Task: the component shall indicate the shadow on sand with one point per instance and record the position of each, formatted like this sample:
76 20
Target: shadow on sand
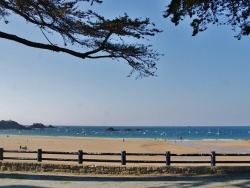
185 181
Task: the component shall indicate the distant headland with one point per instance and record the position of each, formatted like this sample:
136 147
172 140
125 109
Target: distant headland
5 125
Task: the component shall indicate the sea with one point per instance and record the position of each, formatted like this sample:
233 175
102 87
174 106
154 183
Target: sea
142 132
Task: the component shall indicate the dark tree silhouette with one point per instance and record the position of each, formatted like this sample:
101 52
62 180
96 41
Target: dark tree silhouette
235 13
96 36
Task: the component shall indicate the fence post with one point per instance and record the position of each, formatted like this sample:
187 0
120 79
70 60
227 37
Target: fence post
80 154
1 154
123 157
213 159
168 160
39 155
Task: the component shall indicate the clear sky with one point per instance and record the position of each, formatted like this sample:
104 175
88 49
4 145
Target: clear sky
202 80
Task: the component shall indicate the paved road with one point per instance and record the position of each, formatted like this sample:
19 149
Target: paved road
65 181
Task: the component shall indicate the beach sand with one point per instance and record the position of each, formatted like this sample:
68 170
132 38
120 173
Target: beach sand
109 145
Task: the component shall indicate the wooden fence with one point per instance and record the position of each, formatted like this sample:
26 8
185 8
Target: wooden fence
79 157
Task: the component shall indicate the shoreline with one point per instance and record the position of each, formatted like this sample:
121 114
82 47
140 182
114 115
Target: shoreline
141 133
138 144
126 138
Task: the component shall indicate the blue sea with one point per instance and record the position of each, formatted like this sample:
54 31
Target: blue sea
153 132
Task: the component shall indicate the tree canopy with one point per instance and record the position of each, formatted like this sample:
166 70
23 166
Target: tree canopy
235 13
96 36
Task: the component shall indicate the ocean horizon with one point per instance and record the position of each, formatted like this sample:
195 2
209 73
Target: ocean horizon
142 132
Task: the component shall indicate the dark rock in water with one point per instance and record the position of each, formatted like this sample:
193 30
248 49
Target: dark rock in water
127 129
11 125
111 129
37 126
50 126
14 125
139 129
40 126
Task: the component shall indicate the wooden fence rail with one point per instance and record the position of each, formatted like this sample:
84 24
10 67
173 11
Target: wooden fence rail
123 157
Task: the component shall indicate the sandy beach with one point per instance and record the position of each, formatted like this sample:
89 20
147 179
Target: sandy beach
73 144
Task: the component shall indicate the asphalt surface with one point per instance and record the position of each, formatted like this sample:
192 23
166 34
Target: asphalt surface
36 180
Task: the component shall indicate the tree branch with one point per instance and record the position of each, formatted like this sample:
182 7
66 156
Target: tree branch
41 45
101 47
85 29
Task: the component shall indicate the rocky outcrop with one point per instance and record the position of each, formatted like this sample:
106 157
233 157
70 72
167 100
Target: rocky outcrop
14 125
37 126
111 129
50 126
11 125
40 126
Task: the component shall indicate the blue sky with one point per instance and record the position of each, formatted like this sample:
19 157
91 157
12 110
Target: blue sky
202 80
